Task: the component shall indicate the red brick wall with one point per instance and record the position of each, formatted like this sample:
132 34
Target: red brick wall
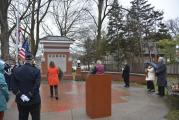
138 78
44 66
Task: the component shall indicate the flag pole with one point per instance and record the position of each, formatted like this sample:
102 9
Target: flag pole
17 32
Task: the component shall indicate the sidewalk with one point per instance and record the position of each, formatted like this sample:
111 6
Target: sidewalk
127 104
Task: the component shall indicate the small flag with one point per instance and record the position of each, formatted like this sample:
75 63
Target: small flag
24 50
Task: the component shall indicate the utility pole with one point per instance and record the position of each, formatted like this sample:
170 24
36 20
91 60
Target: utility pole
17 31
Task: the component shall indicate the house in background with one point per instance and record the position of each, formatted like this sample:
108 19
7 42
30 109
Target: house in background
151 52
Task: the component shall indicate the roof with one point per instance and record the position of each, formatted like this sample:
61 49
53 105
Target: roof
56 39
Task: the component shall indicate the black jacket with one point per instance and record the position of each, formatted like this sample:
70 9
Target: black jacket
26 80
126 72
161 73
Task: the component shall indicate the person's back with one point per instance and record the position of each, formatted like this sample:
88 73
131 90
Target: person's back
26 83
53 78
25 77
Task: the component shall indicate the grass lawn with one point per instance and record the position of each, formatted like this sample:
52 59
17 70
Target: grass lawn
173 101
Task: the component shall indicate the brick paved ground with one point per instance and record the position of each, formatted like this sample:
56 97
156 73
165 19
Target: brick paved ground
127 104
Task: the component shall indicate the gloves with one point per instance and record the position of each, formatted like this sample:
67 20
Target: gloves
24 98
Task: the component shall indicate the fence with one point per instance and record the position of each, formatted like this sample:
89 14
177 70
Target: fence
172 69
134 68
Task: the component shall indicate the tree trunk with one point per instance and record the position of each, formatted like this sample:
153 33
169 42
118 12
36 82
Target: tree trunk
4 40
37 28
4 36
100 8
32 39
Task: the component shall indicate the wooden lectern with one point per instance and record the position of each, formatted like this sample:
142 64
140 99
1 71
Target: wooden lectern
98 96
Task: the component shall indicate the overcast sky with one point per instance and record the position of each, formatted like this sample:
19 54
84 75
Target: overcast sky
170 7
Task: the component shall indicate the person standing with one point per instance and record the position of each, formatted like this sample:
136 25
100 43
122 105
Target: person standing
33 63
60 74
26 83
125 75
99 67
4 95
161 73
7 75
150 77
93 68
53 79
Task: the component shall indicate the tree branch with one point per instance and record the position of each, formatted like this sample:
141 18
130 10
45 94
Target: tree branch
91 16
45 10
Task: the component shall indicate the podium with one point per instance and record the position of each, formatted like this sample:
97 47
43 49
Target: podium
98 96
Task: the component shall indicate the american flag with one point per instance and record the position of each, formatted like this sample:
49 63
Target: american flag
24 50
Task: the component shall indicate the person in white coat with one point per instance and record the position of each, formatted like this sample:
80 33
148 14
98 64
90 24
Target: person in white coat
150 77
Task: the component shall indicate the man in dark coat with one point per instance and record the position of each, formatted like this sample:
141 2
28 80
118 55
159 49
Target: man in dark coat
26 83
161 73
125 74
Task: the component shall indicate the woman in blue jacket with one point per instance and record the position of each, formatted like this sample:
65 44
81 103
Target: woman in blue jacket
4 95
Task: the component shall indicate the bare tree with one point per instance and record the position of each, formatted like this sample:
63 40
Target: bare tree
32 23
40 16
46 29
69 16
4 36
173 26
8 23
102 7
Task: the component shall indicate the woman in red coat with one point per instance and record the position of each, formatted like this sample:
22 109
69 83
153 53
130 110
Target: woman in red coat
53 79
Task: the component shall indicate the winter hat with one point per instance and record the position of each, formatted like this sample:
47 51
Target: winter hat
28 56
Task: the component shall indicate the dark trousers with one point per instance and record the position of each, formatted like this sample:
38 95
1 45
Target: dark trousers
8 81
161 90
1 115
56 90
126 81
150 85
24 111
9 85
